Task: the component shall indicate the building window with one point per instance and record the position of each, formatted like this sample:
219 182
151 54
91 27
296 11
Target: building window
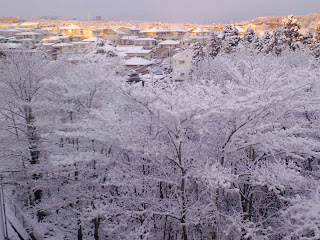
182 74
182 61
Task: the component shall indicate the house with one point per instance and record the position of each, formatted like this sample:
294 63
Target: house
181 64
127 40
163 33
139 64
29 35
135 51
57 39
92 39
88 33
145 54
10 46
46 46
169 44
30 25
9 32
28 42
71 30
185 43
47 31
114 32
82 46
204 40
150 32
200 32
131 31
165 52
63 47
146 42
6 25
177 33
114 35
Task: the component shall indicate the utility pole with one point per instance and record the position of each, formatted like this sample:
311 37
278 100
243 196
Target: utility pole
3 220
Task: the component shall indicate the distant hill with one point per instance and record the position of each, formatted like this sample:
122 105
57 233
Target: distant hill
309 21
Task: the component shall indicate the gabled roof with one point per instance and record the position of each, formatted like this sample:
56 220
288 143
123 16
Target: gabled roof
129 37
134 29
200 30
71 27
181 54
26 33
128 48
151 30
170 42
63 45
117 31
145 39
136 61
10 45
29 23
177 30
92 39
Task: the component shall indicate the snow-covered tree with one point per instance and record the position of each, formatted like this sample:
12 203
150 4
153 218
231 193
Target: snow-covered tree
215 45
198 53
291 28
249 36
231 38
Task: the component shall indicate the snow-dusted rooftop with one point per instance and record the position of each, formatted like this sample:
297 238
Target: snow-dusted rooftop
128 48
29 23
134 28
63 45
136 61
92 39
145 39
200 30
170 42
177 30
117 31
27 33
71 26
129 37
10 45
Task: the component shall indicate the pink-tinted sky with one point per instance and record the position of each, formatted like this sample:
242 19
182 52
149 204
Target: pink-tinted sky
197 11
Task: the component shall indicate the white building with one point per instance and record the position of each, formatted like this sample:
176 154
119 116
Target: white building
170 44
181 64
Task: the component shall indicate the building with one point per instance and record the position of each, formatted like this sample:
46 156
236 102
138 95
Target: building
114 35
199 32
71 30
29 35
88 33
131 31
135 51
146 42
63 47
177 33
127 40
181 64
9 32
30 25
173 44
138 64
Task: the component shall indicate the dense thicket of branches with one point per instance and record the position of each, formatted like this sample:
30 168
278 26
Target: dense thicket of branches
231 154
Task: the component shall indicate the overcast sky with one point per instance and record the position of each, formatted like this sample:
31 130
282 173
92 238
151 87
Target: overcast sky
195 11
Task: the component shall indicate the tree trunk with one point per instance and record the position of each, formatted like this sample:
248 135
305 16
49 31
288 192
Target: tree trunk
96 224
183 193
